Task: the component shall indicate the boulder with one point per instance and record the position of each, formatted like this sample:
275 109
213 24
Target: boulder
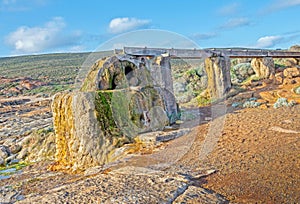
291 62
295 48
4 152
2 161
291 72
287 81
121 97
264 68
279 78
15 148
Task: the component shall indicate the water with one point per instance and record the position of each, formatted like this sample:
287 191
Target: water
7 171
4 177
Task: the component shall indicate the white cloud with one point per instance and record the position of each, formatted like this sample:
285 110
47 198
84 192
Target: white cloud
268 41
36 39
235 22
229 9
280 4
119 25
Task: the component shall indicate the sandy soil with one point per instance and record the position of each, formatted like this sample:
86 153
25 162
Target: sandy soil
257 156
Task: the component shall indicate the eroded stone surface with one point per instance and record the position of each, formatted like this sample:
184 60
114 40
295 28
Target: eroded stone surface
121 97
128 185
218 73
264 68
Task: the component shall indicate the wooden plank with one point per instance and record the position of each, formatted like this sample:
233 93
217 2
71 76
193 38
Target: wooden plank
204 53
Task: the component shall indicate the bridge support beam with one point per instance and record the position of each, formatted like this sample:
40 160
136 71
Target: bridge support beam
160 70
264 68
218 74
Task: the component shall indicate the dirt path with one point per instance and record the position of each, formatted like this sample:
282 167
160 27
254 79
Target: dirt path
257 156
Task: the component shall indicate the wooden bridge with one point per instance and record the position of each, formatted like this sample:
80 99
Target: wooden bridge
211 52
217 62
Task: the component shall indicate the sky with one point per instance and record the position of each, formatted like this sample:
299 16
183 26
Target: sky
50 26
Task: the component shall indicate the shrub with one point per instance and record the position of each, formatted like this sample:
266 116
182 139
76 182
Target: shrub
241 72
283 102
251 104
297 90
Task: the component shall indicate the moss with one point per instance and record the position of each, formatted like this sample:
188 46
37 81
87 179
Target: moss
250 79
44 131
120 102
104 113
203 101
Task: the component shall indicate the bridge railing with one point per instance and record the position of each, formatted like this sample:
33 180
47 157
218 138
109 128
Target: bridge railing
205 53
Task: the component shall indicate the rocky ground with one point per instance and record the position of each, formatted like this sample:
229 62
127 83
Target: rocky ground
253 158
21 115
226 153
21 119
15 86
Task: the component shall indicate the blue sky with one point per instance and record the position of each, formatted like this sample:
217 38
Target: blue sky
45 26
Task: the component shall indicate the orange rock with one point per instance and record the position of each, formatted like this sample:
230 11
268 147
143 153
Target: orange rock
284 93
270 96
288 81
14 90
263 106
28 85
279 78
291 72
290 62
262 101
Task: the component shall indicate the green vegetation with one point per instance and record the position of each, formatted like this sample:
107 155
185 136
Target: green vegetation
189 79
59 68
45 131
240 72
203 101
250 79
104 113
297 90
14 167
57 71
280 63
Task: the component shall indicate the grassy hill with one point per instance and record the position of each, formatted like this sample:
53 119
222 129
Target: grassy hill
56 71
52 67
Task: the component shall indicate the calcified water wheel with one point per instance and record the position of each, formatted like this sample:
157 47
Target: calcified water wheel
143 103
